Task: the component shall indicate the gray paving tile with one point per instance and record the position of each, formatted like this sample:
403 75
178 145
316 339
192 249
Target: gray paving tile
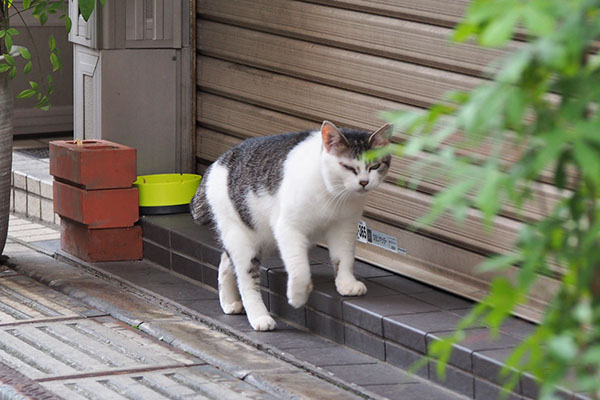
264 276
324 325
410 330
212 309
487 364
405 358
487 391
183 224
518 328
155 232
181 291
156 254
455 380
277 281
325 297
364 341
443 300
529 386
187 266
319 254
368 312
410 391
321 273
140 272
371 374
49 246
401 284
210 276
285 337
476 340
186 246
367 271
278 305
334 355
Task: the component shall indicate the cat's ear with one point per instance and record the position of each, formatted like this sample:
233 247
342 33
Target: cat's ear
333 139
381 137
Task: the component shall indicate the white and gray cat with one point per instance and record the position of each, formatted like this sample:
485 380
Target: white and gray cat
288 191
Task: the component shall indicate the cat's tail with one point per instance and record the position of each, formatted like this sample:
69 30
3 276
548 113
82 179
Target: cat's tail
199 206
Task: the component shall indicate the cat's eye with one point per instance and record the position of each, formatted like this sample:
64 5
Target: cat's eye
349 168
373 167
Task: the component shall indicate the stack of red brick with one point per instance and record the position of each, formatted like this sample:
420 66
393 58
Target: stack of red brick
94 196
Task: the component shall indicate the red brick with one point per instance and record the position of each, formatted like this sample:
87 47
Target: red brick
106 208
96 164
95 245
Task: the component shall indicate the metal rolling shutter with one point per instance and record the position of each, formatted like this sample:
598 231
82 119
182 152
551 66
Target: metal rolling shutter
272 66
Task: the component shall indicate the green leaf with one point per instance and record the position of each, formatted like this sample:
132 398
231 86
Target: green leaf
27 68
68 24
538 22
8 42
463 31
587 158
500 30
43 18
56 64
446 200
25 53
26 93
86 7
12 73
488 199
560 174
12 32
2 33
4 67
9 59
499 263
52 43
563 347
33 85
26 4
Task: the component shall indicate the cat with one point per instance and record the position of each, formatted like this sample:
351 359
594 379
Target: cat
288 191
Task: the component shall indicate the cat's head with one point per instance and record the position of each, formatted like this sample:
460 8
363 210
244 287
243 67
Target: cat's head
343 165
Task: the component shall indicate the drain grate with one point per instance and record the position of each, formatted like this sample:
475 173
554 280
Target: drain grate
39 153
14 385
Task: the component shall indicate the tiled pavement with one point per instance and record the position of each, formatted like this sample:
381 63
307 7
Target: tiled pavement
393 324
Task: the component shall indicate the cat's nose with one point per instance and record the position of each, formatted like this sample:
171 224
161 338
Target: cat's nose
363 183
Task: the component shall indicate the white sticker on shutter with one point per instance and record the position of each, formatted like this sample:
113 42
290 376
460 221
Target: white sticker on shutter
379 239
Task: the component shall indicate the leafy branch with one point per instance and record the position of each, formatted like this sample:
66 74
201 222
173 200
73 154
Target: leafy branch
40 9
540 103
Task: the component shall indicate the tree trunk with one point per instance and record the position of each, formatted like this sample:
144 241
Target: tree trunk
6 108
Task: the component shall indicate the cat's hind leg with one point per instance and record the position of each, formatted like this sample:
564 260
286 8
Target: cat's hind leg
229 297
247 270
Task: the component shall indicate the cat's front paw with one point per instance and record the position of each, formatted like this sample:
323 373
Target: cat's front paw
263 323
232 308
351 288
298 293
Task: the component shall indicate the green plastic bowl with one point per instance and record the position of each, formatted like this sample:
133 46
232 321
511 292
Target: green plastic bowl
166 193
